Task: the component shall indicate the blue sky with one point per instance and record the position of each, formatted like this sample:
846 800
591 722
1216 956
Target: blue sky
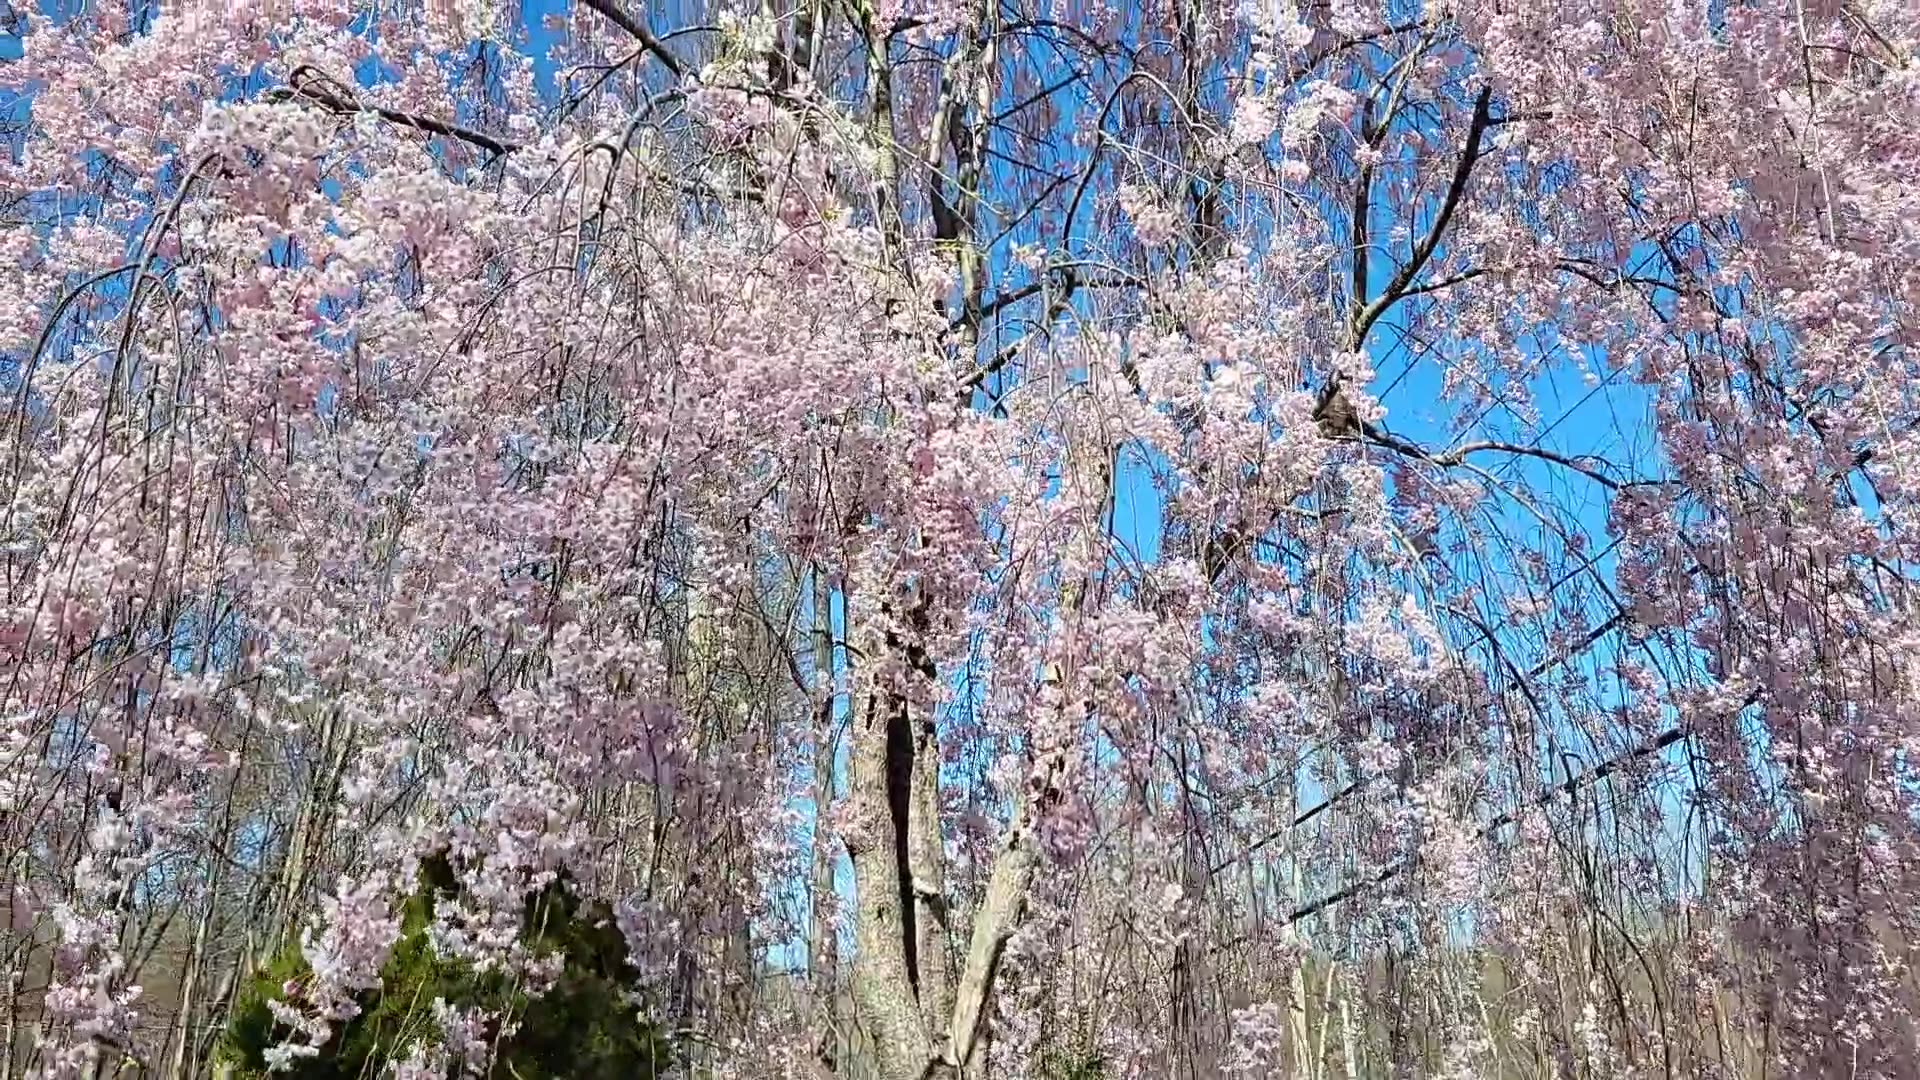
1608 421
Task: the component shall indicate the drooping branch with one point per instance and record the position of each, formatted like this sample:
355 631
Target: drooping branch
1355 787
1569 787
1337 420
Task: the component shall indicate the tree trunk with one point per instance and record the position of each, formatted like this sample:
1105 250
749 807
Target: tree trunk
822 939
179 1061
884 981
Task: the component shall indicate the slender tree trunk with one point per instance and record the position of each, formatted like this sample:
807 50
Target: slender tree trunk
178 1062
1001 911
1297 996
8 1027
823 944
285 903
217 1006
880 129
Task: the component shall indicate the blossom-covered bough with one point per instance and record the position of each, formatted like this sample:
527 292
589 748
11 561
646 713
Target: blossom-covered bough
1002 539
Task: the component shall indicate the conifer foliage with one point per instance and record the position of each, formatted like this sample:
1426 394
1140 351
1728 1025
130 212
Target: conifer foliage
590 1023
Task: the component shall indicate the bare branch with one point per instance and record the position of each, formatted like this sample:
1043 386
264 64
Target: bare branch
648 39
301 83
1462 172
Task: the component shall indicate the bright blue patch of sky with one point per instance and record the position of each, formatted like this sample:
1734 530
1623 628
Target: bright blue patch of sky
1608 421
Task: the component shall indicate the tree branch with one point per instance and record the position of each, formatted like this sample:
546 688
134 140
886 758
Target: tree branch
644 36
1458 454
1591 776
1462 172
298 86
1004 904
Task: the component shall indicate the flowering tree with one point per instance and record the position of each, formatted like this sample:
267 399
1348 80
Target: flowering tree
1020 539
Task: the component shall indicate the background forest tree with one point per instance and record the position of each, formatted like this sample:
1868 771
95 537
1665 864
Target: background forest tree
993 538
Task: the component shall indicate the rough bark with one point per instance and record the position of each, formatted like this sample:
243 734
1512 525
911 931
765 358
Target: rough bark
883 976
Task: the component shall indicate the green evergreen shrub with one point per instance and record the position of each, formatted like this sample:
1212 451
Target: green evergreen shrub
582 1028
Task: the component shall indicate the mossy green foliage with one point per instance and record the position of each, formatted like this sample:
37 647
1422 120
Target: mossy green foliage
1074 1065
1074 1059
580 1028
